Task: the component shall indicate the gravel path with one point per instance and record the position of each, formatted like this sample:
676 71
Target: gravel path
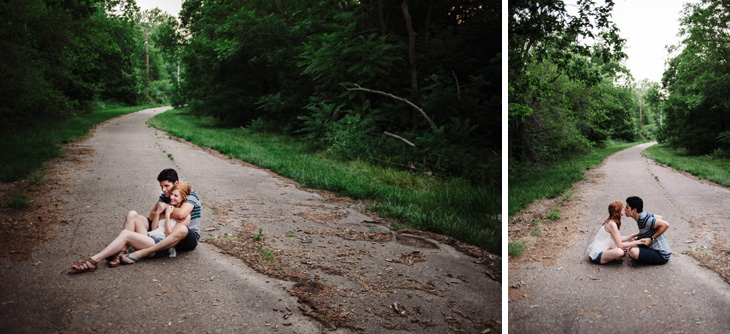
436 287
576 296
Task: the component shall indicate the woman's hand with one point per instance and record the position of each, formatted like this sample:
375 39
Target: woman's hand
161 207
168 210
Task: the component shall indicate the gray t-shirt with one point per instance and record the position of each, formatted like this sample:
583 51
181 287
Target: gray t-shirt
647 230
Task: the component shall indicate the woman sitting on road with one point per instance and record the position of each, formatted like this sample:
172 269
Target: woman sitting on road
609 245
140 240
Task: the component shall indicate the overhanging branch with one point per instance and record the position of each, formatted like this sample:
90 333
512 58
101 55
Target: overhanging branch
423 113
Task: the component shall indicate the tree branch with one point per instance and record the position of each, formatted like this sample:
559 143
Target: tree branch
423 113
399 138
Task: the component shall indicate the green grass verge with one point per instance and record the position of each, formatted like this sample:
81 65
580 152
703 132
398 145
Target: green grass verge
454 208
528 183
23 151
704 167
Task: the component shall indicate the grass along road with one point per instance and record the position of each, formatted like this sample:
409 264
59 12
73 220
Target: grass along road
530 184
702 166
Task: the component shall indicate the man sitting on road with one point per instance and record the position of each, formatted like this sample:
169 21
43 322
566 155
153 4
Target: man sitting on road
182 238
652 227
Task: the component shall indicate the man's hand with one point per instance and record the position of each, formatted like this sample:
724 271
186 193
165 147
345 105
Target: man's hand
645 241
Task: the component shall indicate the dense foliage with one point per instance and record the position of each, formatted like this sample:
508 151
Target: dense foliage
297 67
697 82
567 89
63 58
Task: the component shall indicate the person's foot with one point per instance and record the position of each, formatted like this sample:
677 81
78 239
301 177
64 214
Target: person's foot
85 265
136 255
115 261
127 259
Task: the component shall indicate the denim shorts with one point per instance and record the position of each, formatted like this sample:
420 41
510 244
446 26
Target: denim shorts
156 238
597 260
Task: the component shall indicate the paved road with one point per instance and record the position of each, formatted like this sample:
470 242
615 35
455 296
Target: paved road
576 296
205 290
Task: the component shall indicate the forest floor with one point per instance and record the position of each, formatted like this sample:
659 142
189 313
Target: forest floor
273 256
553 287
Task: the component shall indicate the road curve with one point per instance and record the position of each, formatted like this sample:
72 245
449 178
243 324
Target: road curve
208 291
576 296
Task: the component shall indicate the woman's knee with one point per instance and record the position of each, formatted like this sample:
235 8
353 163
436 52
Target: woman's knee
634 253
132 214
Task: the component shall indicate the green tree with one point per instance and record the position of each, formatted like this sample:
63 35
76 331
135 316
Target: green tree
60 57
563 96
698 81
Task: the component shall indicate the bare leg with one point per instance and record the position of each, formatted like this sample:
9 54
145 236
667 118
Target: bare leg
124 239
612 254
634 253
178 233
136 223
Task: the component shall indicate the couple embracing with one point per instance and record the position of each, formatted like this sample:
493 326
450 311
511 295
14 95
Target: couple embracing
172 225
649 246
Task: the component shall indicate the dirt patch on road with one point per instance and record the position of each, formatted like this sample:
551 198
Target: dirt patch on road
550 226
716 257
36 212
329 280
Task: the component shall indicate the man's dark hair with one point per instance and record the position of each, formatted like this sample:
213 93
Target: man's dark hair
635 203
167 175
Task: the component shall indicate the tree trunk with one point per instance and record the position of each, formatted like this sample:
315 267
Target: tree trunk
411 49
427 29
381 21
411 58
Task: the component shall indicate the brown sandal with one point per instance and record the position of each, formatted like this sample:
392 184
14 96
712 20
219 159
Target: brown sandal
85 265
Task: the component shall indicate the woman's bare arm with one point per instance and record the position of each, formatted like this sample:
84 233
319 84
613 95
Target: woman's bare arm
618 238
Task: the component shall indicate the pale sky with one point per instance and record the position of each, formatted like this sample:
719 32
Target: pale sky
170 6
648 26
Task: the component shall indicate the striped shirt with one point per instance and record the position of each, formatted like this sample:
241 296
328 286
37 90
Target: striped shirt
646 223
195 215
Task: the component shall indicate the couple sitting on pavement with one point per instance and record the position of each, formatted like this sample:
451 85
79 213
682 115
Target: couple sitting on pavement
648 246
153 236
